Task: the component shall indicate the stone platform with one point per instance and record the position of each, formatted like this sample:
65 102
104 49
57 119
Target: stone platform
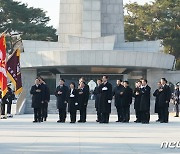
20 136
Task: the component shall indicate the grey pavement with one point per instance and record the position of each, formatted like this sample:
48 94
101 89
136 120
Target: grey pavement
20 136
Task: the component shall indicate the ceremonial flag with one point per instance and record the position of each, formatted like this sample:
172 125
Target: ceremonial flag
13 71
3 73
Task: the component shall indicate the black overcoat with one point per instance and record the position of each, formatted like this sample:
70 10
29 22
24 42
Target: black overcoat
156 95
118 98
36 96
82 98
96 93
127 97
164 96
61 98
105 95
145 98
137 99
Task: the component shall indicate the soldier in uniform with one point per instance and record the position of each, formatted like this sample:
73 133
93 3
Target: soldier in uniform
176 97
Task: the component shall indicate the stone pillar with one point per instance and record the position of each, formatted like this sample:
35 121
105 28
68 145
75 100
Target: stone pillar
70 21
112 20
58 76
91 21
28 78
125 77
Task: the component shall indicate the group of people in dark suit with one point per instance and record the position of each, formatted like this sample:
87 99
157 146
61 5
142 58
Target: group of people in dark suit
40 98
74 99
77 99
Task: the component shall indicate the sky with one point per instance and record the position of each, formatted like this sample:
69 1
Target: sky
52 8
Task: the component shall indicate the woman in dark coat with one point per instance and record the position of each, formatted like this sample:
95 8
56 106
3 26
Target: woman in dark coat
72 102
36 93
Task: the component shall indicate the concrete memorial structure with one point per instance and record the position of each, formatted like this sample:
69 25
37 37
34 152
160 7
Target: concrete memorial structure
91 43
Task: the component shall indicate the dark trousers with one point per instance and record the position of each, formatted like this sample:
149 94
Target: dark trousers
3 109
177 109
44 110
105 118
37 114
164 113
9 108
145 116
73 116
138 115
119 113
98 116
62 115
83 113
126 113
159 115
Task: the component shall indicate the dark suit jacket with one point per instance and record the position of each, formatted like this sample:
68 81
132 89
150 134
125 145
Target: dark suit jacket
164 96
61 98
36 96
145 98
127 97
118 97
137 100
105 95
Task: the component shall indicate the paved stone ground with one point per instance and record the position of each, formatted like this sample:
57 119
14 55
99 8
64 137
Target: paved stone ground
20 136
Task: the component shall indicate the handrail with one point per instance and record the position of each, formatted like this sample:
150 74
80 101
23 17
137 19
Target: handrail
20 102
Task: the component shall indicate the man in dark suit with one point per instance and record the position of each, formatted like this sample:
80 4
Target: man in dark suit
118 99
137 101
105 99
126 101
156 95
45 99
145 102
82 101
164 99
96 93
36 93
86 98
61 94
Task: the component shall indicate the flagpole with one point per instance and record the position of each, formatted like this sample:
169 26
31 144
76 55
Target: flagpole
3 33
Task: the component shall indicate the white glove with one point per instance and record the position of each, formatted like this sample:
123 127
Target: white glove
109 101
